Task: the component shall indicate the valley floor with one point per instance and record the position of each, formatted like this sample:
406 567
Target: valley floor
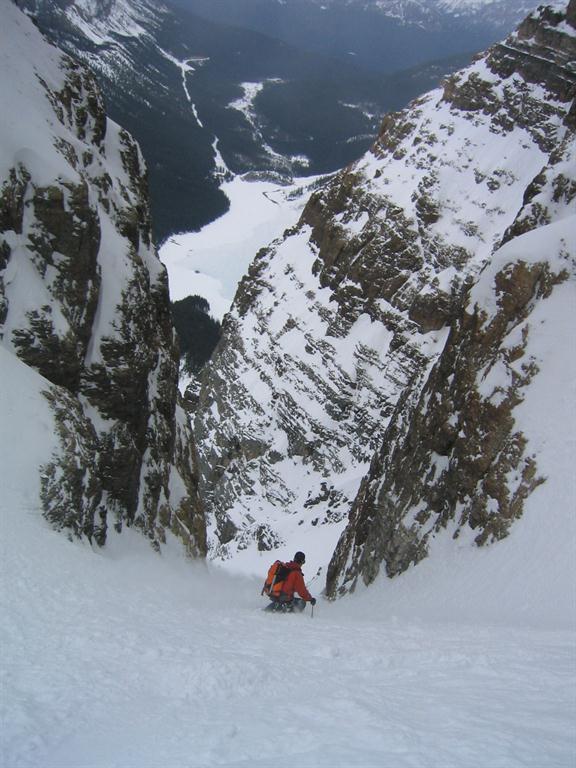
119 658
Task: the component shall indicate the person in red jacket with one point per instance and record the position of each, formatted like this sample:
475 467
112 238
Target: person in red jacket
285 601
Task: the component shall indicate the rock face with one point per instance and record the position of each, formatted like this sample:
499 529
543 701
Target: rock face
340 329
84 300
457 459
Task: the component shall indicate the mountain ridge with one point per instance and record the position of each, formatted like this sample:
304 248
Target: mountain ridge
338 325
84 302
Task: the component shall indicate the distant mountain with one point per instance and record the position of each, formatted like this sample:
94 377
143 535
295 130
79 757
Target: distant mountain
382 35
204 98
495 14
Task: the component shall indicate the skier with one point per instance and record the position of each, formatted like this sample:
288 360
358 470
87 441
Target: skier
284 580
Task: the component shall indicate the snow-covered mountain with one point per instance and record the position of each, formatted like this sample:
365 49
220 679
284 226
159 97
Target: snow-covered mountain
381 35
499 13
144 80
118 657
84 304
395 331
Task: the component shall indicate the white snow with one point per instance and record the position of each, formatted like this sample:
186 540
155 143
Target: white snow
120 658
122 18
245 103
186 67
28 141
212 262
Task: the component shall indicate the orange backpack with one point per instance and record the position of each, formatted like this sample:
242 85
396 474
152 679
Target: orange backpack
277 575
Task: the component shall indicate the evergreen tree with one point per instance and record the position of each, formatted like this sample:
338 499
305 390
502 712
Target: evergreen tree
198 332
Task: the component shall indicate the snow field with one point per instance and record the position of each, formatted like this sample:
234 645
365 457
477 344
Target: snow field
122 659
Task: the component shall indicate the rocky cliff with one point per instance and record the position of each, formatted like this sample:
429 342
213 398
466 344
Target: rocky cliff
343 330
459 455
460 458
84 300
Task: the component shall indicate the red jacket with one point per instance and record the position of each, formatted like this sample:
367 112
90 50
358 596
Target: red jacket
295 582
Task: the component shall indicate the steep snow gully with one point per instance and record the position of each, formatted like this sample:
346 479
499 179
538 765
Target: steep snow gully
119 658
182 670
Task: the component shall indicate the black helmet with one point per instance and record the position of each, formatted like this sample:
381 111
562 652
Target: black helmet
300 558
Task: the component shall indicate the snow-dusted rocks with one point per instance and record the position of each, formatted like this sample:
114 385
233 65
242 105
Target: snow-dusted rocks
464 459
84 300
336 332
481 437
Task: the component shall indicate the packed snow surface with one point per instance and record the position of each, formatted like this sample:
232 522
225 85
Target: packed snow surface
120 658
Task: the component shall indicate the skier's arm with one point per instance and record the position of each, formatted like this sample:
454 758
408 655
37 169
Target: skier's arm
300 587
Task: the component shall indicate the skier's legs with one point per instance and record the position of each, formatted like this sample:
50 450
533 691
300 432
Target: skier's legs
296 605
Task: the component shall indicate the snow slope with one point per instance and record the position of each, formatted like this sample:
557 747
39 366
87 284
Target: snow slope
120 658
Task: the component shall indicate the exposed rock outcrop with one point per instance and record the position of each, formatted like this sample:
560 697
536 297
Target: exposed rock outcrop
85 302
456 458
